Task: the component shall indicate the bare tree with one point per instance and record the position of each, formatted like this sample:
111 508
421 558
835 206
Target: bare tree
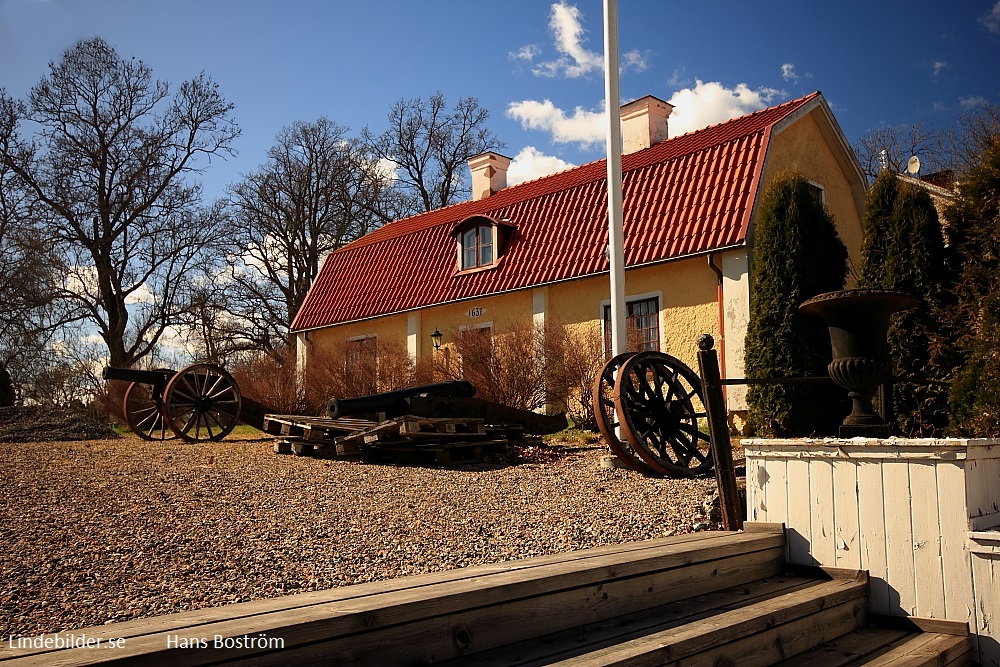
429 144
974 132
103 150
890 147
317 192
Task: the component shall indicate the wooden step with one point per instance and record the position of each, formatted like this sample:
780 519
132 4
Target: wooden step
430 618
755 624
887 642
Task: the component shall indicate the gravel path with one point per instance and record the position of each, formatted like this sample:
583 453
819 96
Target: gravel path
96 532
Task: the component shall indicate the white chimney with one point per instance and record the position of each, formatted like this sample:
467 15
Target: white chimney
644 123
489 174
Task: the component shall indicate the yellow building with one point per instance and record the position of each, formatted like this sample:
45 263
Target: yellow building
537 251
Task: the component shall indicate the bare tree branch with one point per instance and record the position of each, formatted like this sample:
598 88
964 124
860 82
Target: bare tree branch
429 146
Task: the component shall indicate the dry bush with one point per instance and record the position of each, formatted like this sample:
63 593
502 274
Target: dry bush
575 355
355 368
529 367
501 365
271 381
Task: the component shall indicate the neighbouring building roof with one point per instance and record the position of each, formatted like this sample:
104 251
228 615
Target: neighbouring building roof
683 196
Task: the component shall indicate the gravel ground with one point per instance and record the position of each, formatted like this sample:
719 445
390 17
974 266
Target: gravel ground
96 532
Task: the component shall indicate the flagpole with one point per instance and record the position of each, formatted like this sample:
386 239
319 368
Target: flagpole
616 235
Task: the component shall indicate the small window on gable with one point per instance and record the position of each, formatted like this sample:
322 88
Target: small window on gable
816 190
477 246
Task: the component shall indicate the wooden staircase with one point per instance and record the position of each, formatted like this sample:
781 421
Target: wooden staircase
713 598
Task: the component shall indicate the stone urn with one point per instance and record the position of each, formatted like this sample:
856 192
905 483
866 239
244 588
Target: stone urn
858 320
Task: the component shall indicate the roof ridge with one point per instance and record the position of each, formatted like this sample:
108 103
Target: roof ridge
745 117
555 182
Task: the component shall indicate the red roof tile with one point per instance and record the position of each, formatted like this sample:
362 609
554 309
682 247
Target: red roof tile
686 195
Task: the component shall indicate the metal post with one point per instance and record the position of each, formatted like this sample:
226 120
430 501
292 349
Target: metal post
616 235
718 431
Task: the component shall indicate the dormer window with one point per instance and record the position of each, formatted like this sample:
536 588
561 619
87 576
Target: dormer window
481 242
477 246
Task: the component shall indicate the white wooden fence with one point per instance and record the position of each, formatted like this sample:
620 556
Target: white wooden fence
922 516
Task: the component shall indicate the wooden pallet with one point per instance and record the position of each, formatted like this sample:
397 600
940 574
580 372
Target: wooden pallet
313 429
443 440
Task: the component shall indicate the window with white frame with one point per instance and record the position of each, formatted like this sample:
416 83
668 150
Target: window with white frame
816 190
477 246
642 325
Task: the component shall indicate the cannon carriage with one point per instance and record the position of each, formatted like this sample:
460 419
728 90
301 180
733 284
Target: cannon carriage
197 403
651 409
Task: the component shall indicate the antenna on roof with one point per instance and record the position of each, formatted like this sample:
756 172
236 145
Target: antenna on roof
883 159
913 165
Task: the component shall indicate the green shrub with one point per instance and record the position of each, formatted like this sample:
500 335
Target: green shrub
974 230
904 250
796 254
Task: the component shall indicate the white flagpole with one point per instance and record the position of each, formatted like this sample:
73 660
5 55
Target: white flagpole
616 236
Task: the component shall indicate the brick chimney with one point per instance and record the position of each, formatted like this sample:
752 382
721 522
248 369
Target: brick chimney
489 174
644 123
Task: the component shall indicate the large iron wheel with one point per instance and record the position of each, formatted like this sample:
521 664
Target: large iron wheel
660 403
202 402
603 403
143 410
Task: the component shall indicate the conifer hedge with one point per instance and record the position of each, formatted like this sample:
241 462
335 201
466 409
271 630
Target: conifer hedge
904 250
795 255
974 230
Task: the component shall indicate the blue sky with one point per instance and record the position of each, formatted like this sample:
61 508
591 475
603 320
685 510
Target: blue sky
535 65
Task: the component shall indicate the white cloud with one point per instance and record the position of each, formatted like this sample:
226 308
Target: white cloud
991 20
526 53
565 22
938 67
386 168
530 163
972 102
711 103
634 60
788 72
575 59
582 127
141 294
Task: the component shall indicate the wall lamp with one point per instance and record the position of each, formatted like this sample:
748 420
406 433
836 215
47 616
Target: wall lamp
436 338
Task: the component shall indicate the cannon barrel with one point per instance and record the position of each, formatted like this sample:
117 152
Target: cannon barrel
392 400
160 377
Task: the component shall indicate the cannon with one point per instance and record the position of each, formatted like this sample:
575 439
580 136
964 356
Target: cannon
199 402
453 399
395 403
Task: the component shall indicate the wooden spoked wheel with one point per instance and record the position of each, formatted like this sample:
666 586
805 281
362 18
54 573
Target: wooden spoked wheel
659 401
603 404
143 410
202 402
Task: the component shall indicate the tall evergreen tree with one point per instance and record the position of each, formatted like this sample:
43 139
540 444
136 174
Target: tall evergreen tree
904 251
6 387
796 255
974 230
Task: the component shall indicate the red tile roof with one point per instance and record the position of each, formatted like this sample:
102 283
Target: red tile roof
686 195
